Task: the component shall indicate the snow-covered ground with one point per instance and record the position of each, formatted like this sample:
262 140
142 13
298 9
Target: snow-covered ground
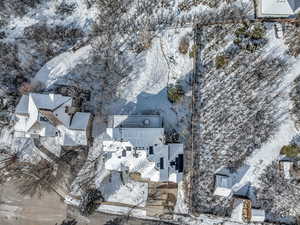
82 17
55 70
269 152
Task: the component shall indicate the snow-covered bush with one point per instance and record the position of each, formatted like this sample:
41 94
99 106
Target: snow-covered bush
221 61
250 36
290 150
175 93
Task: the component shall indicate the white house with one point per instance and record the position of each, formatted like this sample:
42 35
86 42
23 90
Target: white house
277 8
136 143
51 115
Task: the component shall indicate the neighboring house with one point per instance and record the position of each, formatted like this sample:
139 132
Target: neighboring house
52 115
277 8
223 185
243 212
137 144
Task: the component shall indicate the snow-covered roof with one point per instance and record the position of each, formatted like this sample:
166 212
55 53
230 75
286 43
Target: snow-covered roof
142 121
22 107
72 137
142 149
278 8
258 215
138 137
80 121
50 102
47 115
223 185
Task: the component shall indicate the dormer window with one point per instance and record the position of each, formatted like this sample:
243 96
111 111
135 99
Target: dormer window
151 150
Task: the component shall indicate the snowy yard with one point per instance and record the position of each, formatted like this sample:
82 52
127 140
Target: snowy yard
244 110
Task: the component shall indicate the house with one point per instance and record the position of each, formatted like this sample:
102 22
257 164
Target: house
52 115
137 143
277 8
243 212
223 185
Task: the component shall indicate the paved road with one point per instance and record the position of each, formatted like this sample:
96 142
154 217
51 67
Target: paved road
18 210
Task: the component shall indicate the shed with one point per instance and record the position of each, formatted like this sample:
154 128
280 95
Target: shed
223 185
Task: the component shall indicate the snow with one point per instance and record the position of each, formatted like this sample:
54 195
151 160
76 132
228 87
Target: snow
51 144
58 67
129 192
145 88
119 210
269 152
82 17
50 101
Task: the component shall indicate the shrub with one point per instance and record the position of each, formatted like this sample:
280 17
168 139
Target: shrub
221 61
184 45
257 32
193 51
175 93
290 150
250 37
87 204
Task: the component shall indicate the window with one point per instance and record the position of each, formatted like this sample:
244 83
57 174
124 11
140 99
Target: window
161 164
128 148
151 150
